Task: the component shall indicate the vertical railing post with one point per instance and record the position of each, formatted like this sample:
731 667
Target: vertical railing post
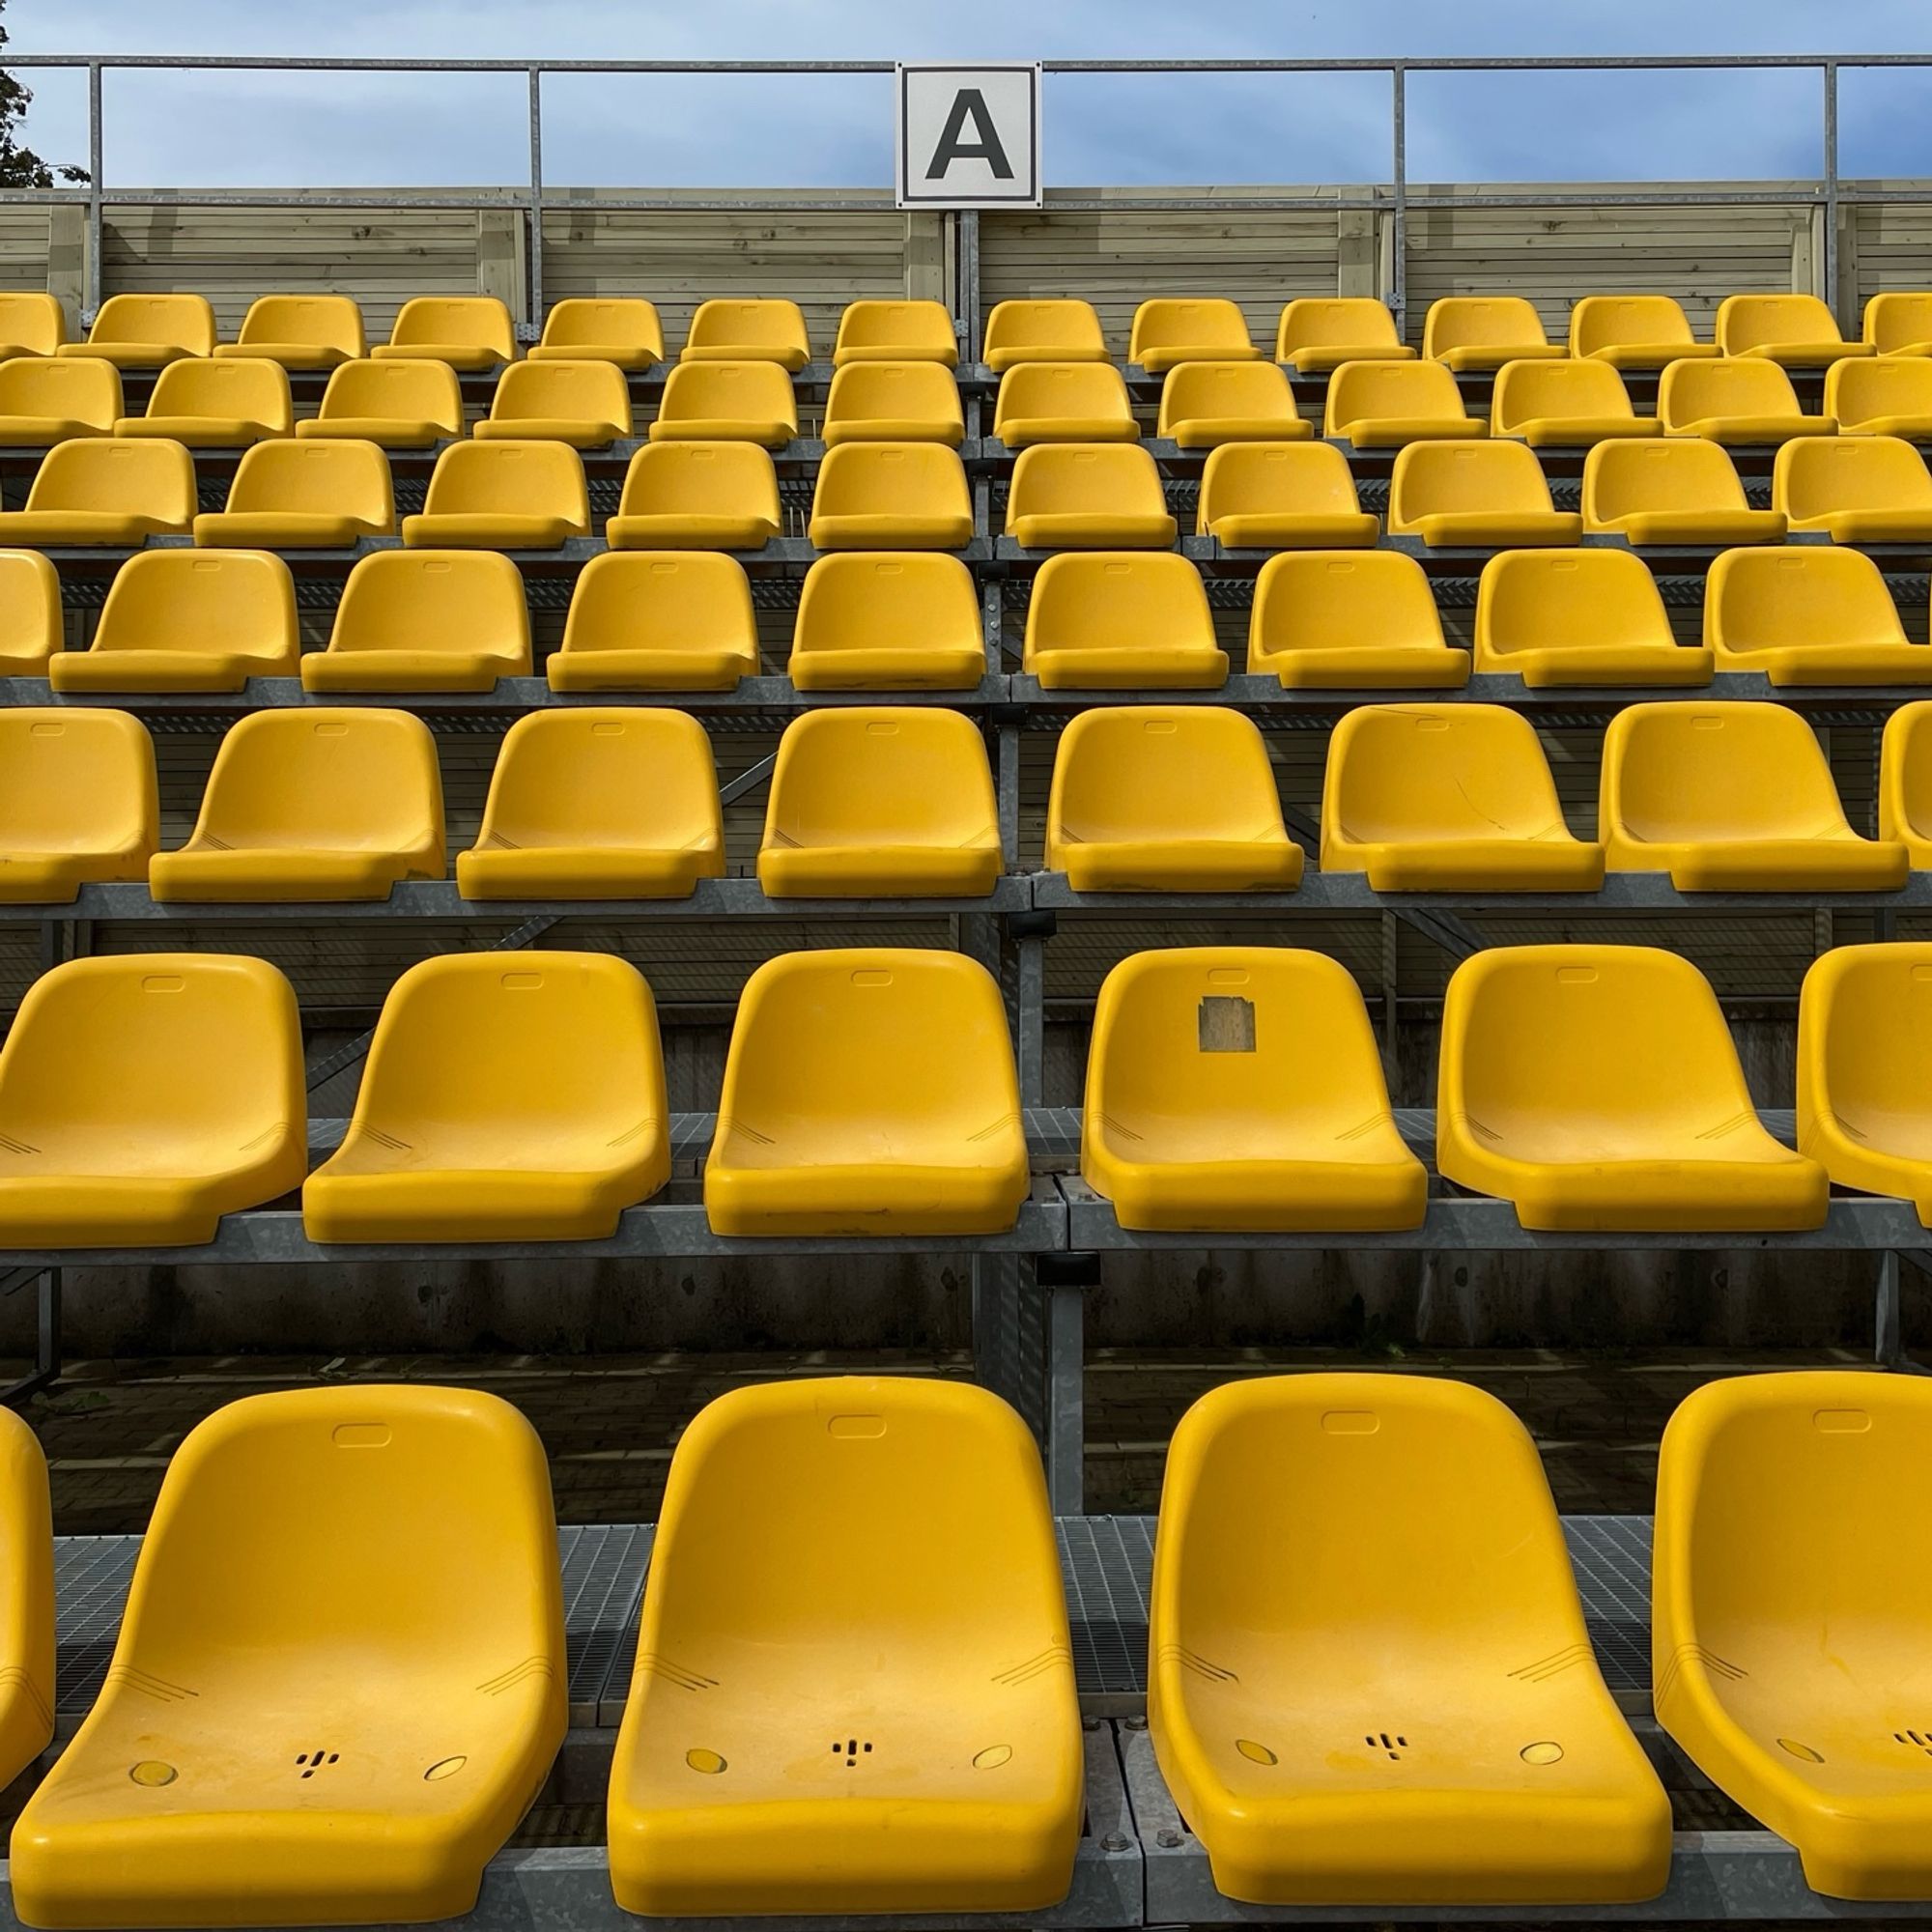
1831 188
91 288
1399 186
537 309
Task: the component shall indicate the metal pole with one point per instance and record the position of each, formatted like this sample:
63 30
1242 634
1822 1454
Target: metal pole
1398 184
1831 188
969 281
92 285
536 198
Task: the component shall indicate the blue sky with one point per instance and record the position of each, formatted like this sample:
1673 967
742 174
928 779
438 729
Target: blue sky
353 130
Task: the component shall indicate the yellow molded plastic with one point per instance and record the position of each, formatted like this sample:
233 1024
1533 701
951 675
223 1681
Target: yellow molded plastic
1055 330
896 332
1633 331
425 620
508 1097
657 620
145 1096
300 332
1905 781
502 495
1565 403
1282 495
891 496
1205 404
45 400
1446 798
304 496
1385 405
756 330
1319 333
1887 395
211 405
1807 614
147 332
31 625
1796 331
728 401
1240 1090
698 496
1741 399
1120 619
870 1557
472 332
881 801
1478 495
1063 402
1579 616
26 1600
598 803
342 1592
1371 1679
582 402
1683 491
887 622
623 329
1899 324
1163 798
1171 330
31 323
105 489
1353 620
1485 331
1597 1088
396 405
78 800
1857 490
893 402
312 805
1104 495
868 1092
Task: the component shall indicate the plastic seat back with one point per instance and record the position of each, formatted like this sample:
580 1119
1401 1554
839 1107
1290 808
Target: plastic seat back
1071 479
1896 324
1318 601
1309 479
1042 330
401 393
1346 321
246 388
1481 322
1816 476
152 478
509 479
1864 1059
61 389
239 601
345 478
701 479
330 324
1160 772
867 776
662 601
77 785
1686 474
898 402
1758 321
594 394
31 323
896 332
1107 600
1726 385
857 600
592 326
1758 600
32 623
182 322
907 483
432 600
737 331
1464 479
475 324
1069 402
726 400
1601 323
1861 392
1249 393
1169 329
1530 599
1404 391
1563 389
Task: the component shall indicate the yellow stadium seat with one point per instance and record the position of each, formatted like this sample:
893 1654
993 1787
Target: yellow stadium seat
896 332
1564 404
1238 1090
1063 402
1732 798
27 1655
623 329
1678 491
1318 333
1905 781
1887 395
31 619
1067 495
105 489
1597 1089
31 323
312 805
728 401
45 400
885 802
1353 620
507 1098
598 805
697 496
1406 1716
1478 494
78 802
1808 615
868 1092
1430 798
1120 620
1787 1614
469 332
657 620
749 331
1204 404
1169 330
1158 798
425 620
891 496
1898 325
888 621
584 404
1579 616
211 405
1053 330
147 332
1857 490
1634 333
1733 399
143 1096
893 402
1485 332
300 332
1385 405
502 495
1793 331
188 620
870 1556
1279 496
396 405
304 496
339 1678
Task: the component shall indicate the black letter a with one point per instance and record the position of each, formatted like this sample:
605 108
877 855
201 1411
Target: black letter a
950 148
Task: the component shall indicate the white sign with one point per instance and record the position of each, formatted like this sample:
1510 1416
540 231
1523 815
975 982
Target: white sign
968 136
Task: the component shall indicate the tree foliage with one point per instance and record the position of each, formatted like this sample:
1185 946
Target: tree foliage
19 165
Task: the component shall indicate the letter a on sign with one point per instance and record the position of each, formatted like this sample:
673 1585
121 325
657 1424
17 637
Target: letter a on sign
968 136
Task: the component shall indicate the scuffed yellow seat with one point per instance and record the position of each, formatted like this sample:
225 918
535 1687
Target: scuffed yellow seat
1371 1681
32 623
304 496
32 322
502 495
147 332
1887 395
1383 405
1063 402
598 805
27 1653
622 329
868 1092
1683 491
145 1096
1485 332
188 620
1042 330
105 490
512 1096
1796 331
1732 798
211 405
1597 1088
1350 620
1579 616
394 405
893 402
1634 333
1238 1090
1448 798
657 620
870 1557
1282 495
339 1681
758 331
728 401
1475 494
425 620
887 622
1857 490
884 802
697 496
78 800
45 400
1168 331
1899 324
1565 403
891 496
896 332
1734 398
1070 496
584 404
300 332
1788 1592
1160 798
312 805
1120 620
1203 405
1905 781
1808 615
473 333
1320 333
